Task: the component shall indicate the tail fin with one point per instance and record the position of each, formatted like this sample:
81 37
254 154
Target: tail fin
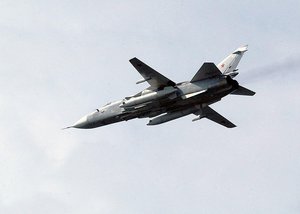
229 65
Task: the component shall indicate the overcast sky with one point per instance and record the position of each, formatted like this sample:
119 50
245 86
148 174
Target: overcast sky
61 59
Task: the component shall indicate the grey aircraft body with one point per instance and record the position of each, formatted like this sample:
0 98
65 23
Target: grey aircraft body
166 100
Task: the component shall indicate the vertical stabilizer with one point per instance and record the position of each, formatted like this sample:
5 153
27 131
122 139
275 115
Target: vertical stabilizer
230 63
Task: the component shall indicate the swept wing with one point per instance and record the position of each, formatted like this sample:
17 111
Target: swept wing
211 114
154 78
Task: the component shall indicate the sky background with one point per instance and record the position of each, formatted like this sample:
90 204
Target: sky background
61 59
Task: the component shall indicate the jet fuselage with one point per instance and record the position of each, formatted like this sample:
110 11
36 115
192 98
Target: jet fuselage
186 95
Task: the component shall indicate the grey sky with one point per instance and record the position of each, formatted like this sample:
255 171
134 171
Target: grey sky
62 59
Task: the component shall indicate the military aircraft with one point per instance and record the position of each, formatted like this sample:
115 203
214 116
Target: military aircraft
166 100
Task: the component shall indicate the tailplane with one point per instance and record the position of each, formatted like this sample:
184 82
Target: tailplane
229 65
243 91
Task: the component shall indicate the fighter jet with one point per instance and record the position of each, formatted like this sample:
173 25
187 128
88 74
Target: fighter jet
165 100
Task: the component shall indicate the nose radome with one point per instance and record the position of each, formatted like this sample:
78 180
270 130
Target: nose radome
81 123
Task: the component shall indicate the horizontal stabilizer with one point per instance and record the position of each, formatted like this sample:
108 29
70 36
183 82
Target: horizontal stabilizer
207 70
211 114
243 91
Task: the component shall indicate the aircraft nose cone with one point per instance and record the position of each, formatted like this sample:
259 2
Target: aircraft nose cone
81 123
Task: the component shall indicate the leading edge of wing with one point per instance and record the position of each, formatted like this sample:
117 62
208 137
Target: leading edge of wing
154 78
207 70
